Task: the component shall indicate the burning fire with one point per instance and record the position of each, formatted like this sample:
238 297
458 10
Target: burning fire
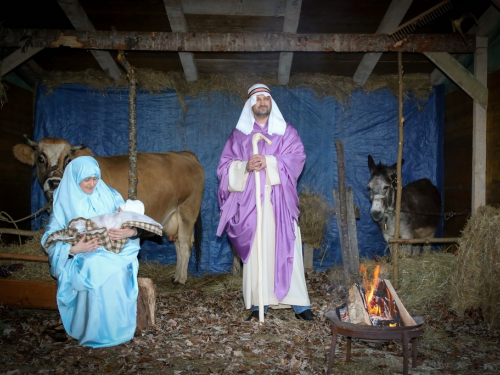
379 302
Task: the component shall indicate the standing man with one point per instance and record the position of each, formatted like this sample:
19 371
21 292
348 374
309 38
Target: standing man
280 165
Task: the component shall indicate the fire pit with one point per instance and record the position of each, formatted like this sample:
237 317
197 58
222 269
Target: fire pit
405 333
373 311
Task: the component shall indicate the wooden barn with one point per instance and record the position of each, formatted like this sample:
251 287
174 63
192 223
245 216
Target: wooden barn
395 79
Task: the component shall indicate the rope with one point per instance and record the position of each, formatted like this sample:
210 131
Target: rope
4 216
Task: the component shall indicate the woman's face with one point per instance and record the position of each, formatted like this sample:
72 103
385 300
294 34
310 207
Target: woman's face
88 185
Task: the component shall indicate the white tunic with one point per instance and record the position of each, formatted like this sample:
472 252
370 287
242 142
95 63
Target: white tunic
297 294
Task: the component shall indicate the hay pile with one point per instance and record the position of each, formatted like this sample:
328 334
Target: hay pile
32 270
236 84
475 282
161 274
315 212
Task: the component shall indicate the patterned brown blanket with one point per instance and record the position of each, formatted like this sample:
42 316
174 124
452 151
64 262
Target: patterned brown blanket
97 227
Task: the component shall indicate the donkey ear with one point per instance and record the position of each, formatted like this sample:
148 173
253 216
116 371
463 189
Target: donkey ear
371 164
393 169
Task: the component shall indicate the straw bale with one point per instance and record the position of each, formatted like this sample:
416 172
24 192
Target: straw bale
475 282
315 212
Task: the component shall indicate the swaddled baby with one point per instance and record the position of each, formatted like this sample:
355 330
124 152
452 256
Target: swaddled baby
129 214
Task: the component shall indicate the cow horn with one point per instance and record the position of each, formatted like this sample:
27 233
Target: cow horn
77 148
29 142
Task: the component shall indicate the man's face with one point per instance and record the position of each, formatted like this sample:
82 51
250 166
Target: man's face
262 108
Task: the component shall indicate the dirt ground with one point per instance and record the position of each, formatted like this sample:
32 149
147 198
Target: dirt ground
202 331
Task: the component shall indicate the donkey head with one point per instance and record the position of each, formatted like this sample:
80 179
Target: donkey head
381 188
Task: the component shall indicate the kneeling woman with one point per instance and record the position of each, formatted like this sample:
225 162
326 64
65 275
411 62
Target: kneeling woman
97 289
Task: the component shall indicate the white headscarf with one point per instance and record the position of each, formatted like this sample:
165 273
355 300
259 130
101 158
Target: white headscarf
276 124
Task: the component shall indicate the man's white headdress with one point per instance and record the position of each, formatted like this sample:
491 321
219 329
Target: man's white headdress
276 125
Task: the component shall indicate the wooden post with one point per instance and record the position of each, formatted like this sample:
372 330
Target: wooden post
479 128
341 207
395 246
146 303
353 236
308 256
132 140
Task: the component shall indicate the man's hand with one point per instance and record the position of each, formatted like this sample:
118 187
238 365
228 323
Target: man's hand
256 163
85 247
118 234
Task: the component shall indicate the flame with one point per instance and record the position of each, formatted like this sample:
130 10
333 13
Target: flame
373 308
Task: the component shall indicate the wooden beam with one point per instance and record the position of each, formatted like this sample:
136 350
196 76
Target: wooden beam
268 8
290 25
178 25
235 42
392 18
486 24
28 294
16 58
479 128
460 75
76 14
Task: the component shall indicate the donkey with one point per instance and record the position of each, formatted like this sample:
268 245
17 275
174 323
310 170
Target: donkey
420 203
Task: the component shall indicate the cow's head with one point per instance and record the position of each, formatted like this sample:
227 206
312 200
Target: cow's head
51 156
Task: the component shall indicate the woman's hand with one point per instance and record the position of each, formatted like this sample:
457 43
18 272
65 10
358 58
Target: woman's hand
118 234
256 163
85 247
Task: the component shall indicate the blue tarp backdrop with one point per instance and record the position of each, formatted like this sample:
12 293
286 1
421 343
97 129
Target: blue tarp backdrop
369 125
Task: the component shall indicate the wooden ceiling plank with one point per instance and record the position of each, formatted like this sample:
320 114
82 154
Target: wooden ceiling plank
178 24
486 24
17 57
290 25
79 19
392 18
460 75
235 42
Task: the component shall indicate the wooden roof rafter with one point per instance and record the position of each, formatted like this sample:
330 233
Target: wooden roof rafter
290 25
178 24
392 18
79 19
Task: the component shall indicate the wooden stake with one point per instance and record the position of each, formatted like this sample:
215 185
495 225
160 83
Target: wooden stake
395 246
132 140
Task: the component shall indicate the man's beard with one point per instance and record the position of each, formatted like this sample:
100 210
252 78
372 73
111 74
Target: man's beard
260 114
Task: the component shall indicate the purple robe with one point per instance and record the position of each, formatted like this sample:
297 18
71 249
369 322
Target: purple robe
238 209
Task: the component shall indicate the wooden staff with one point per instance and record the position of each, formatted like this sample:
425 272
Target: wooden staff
258 235
395 246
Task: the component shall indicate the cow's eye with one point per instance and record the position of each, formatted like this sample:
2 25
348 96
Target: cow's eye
386 187
66 162
41 159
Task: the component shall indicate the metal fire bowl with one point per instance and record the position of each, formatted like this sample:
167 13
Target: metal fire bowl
359 331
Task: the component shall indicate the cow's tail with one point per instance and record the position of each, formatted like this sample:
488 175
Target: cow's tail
197 240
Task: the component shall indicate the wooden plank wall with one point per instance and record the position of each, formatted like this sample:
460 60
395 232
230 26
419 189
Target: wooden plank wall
458 154
16 119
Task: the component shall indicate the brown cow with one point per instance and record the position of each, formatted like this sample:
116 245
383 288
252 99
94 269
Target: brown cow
170 186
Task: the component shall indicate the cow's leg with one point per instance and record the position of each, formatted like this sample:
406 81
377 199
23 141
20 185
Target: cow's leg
184 243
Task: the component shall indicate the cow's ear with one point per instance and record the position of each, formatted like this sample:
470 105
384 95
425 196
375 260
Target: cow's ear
24 153
84 152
